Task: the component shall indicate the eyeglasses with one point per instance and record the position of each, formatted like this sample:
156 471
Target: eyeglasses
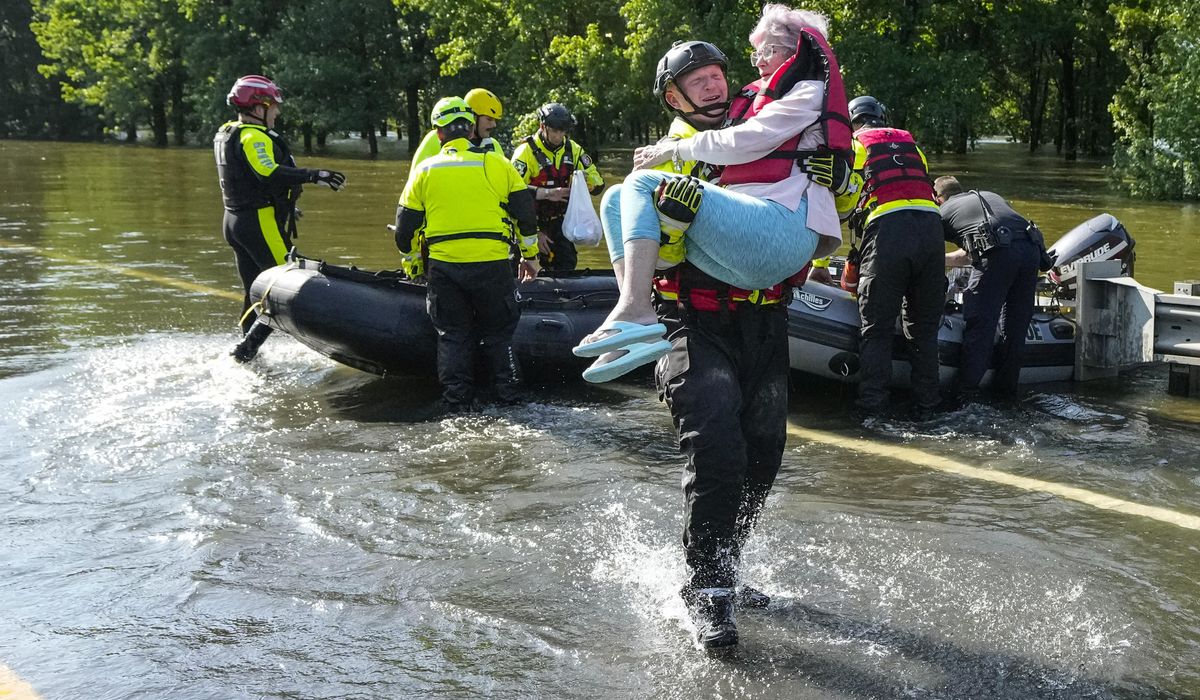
767 52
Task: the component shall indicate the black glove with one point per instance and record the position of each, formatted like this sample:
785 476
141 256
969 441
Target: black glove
330 178
678 199
827 170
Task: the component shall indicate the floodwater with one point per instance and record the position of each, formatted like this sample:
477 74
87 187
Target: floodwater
174 525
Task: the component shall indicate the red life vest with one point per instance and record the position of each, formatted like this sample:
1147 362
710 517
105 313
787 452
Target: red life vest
687 285
813 60
550 176
894 168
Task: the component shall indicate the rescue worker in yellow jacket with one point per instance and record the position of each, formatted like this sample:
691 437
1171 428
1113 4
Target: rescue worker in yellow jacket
488 111
458 206
546 160
260 184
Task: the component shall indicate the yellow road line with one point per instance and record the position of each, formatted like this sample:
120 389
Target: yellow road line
13 688
122 270
950 466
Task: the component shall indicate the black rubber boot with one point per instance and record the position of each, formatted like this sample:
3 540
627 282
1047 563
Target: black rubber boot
711 610
750 597
248 349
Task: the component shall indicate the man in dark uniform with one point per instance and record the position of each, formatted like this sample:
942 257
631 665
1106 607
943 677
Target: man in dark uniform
1002 286
260 184
461 200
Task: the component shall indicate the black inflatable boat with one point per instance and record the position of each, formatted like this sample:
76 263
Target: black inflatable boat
376 321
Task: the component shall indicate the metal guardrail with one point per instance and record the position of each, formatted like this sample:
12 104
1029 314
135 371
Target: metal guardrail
1122 324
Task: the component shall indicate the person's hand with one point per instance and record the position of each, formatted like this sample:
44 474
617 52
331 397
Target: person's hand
543 243
557 194
330 178
655 154
527 270
677 200
821 275
827 170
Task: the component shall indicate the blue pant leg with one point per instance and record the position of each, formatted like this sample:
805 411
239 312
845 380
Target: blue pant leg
610 221
744 241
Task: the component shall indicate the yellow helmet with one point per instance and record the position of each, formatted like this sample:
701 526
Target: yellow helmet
485 103
449 109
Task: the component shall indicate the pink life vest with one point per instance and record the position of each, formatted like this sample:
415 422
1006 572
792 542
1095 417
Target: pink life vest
894 168
813 60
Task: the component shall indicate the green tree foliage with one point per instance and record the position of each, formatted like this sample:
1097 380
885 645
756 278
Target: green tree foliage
1157 111
30 105
1091 77
123 56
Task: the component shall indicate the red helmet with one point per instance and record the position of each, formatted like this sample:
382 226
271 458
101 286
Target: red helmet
251 90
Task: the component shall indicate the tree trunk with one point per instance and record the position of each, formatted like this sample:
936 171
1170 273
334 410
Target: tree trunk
308 136
372 140
1070 102
131 131
158 117
413 94
177 109
321 135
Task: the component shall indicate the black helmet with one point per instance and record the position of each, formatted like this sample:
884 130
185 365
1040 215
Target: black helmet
555 116
684 57
867 111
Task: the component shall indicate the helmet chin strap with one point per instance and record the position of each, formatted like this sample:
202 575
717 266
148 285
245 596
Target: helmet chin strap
716 109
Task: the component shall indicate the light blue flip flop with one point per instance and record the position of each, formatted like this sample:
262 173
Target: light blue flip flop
626 334
636 355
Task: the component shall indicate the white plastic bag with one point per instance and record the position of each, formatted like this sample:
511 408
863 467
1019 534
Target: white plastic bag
581 224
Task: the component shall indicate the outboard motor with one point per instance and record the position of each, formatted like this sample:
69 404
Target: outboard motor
1099 238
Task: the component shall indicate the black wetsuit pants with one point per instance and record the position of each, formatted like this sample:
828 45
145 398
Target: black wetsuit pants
1002 292
903 268
255 250
725 381
474 306
562 256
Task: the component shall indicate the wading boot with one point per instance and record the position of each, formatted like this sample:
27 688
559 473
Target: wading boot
248 349
711 610
750 597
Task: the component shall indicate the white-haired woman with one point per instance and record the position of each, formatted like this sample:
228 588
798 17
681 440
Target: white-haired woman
751 235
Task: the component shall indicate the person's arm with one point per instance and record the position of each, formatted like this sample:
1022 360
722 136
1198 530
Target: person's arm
958 258
764 132
594 179
410 212
521 209
408 222
260 154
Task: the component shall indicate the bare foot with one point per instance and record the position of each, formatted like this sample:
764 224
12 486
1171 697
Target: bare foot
644 316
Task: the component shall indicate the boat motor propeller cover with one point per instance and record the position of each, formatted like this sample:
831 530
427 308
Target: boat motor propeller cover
1099 238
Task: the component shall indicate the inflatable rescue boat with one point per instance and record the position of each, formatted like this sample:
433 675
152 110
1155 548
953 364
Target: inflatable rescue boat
376 321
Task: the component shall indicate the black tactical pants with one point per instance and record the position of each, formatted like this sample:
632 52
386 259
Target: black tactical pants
902 269
725 381
474 305
1002 292
562 255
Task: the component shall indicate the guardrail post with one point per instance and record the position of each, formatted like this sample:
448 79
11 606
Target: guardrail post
1116 322
1178 333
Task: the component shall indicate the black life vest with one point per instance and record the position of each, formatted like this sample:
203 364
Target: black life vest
241 187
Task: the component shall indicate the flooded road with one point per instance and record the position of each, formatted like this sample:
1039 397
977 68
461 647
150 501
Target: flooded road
175 525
